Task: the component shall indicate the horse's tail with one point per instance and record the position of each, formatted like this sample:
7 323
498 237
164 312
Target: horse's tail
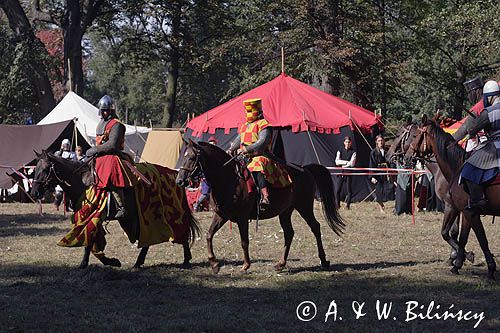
324 184
193 225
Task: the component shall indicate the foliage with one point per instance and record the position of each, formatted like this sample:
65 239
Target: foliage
165 60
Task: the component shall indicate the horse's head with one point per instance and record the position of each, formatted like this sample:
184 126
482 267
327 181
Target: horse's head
44 175
421 145
404 138
201 158
54 170
190 167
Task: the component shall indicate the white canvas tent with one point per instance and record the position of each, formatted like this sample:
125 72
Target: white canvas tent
86 118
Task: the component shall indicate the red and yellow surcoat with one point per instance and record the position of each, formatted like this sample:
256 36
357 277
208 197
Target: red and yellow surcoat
274 173
111 172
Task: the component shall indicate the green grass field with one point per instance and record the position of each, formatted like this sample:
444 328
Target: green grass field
381 257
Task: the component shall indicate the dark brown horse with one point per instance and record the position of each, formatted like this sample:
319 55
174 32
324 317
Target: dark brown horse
234 202
433 140
71 175
451 219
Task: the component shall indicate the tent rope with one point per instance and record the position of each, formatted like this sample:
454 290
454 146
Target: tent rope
359 130
314 148
310 138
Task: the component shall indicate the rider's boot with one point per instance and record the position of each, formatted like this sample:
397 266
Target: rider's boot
121 211
477 200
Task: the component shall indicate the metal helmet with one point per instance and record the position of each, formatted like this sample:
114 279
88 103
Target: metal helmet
106 104
473 88
490 88
473 84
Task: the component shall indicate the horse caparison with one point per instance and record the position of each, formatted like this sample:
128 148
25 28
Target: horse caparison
450 157
234 202
52 170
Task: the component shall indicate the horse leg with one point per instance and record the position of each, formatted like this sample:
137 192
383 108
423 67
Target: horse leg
464 237
286 225
449 218
217 223
141 257
455 228
99 243
307 213
478 228
245 242
86 257
187 254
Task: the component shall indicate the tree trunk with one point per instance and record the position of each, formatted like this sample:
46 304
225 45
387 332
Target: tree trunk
173 68
172 77
73 34
459 96
22 29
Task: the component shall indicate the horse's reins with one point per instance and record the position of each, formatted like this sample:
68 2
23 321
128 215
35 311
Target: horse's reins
46 181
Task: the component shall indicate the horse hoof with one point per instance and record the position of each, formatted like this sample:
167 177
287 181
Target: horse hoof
186 265
136 267
245 268
113 262
470 256
325 264
215 268
83 265
279 267
454 270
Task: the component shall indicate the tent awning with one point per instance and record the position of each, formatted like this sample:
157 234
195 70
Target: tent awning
19 142
289 103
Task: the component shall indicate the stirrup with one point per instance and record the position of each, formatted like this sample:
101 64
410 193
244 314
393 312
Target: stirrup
264 204
121 213
478 205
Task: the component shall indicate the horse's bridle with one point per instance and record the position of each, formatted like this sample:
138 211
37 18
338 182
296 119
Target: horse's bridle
46 181
418 140
196 170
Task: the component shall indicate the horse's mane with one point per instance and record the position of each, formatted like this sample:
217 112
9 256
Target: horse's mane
70 164
215 152
447 147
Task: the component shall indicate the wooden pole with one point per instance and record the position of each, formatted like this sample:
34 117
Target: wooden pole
282 60
69 77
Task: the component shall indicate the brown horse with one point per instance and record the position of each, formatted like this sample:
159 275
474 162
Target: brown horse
451 219
450 157
70 175
235 202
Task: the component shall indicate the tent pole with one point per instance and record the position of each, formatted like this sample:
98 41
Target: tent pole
282 60
69 77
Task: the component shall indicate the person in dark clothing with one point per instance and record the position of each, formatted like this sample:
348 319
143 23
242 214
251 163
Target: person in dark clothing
346 158
377 160
205 188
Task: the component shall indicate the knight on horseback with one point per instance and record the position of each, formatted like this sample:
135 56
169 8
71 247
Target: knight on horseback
111 172
255 140
483 165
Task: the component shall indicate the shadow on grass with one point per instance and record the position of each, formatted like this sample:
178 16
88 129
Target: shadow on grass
22 219
49 298
17 231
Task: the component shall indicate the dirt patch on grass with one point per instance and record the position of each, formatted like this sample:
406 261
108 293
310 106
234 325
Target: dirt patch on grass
381 257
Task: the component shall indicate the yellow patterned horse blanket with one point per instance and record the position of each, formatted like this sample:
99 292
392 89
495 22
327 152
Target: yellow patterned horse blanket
163 214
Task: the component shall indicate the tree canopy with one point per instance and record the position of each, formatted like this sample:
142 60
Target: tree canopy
163 61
